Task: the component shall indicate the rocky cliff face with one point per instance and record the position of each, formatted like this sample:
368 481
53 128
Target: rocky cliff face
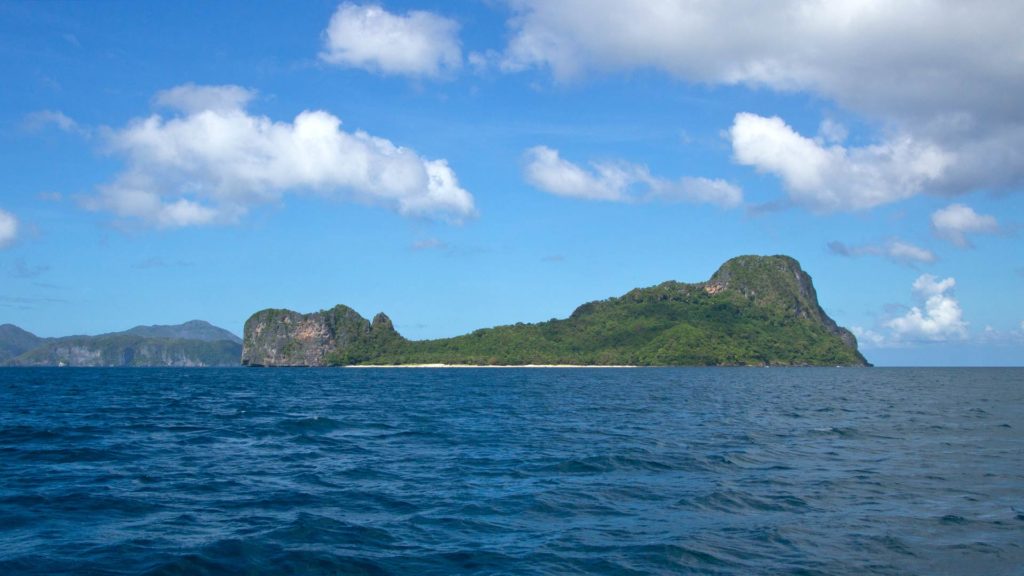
286 338
777 281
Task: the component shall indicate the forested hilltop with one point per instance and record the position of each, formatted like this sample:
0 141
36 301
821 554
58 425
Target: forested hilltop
755 310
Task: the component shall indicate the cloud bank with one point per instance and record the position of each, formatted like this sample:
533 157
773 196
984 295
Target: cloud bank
944 78
415 44
620 181
213 160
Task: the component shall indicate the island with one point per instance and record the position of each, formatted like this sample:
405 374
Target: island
195 343
754 311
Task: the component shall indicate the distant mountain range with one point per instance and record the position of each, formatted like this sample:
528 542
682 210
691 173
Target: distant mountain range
755 310
194 343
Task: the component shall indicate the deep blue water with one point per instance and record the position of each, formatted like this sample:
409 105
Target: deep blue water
506 471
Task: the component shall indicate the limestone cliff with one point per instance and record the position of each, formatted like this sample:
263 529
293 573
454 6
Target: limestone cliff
285 338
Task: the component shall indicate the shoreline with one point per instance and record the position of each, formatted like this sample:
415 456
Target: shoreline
488 366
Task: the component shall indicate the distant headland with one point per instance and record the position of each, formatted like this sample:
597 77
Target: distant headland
193 344
755 310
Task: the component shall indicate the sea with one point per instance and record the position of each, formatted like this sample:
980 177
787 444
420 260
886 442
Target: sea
512 471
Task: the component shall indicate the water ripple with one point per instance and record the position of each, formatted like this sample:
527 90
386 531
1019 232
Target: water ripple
647 471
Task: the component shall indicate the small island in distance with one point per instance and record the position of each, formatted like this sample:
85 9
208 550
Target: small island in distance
754 311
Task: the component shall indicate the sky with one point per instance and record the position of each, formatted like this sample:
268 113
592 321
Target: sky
460 165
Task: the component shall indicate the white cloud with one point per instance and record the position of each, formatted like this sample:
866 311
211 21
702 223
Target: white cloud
905 252
895 250
369 37
191 99
214 160
868 338
835 178
940 74
8 228
546 170
37 121
690 189
832 132
956 221
621 182
927 285
941 317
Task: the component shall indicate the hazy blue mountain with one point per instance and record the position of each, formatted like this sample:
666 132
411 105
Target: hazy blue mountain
14 341
191 330
194 343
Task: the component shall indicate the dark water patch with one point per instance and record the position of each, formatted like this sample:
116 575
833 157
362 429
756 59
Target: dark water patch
233 556
735 501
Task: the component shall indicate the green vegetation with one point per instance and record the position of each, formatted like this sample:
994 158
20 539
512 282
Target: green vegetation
669 324
754 311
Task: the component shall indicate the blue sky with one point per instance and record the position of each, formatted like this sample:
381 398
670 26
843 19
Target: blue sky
463 165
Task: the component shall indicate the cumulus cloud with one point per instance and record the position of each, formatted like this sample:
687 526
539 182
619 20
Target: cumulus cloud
895 250
415 44
944 75
956 221
213 160
620 181
8 228
940 318
833 178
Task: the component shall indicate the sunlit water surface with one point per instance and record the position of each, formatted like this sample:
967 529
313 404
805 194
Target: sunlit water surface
512 471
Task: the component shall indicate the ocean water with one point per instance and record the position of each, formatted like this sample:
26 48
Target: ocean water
512 471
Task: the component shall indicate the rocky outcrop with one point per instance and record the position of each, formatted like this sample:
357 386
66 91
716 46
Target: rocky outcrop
777 281
340 335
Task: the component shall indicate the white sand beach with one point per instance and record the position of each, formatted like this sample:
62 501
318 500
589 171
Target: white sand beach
487 366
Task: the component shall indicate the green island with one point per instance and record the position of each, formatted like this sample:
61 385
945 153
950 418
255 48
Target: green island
754 311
